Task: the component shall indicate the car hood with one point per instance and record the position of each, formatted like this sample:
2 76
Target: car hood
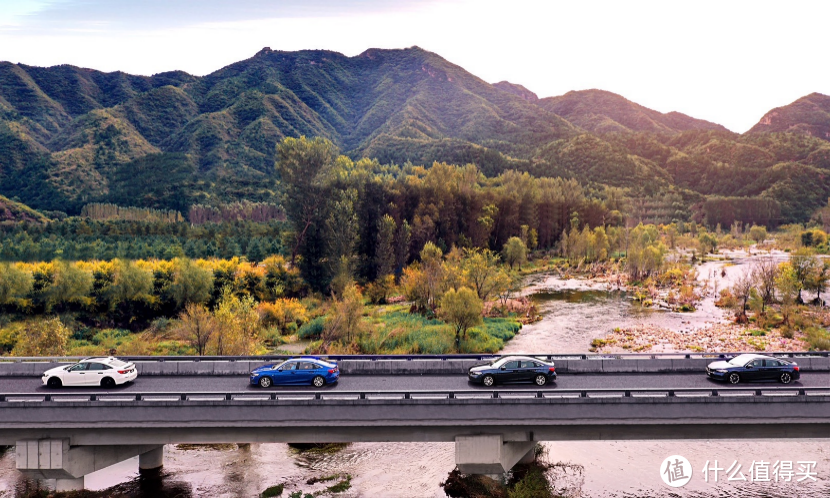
481 368
720 365
54 371
264 368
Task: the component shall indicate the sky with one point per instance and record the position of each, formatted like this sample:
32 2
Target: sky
726 61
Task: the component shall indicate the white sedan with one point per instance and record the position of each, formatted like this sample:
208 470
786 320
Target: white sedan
104 372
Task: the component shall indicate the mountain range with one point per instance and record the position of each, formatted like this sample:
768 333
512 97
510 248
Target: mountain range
70 136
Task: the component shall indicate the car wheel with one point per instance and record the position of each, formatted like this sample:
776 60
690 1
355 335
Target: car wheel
488 380
319 381
541 380
786 378
734 378
54 382
107 382
265 381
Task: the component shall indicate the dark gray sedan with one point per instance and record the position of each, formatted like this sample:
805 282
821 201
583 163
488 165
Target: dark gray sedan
513 369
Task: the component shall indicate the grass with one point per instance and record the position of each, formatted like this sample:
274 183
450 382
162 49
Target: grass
399 332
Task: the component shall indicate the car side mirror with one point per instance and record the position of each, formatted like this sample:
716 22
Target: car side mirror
749 367
503 368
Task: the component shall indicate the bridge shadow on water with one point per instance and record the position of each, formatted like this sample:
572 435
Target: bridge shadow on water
147 484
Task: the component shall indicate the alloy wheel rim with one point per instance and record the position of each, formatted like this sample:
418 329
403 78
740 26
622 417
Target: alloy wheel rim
785 378
734 378
540 380
318 382
488 381
265 382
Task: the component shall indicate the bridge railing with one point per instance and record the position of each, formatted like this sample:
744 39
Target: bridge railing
25 400
427 357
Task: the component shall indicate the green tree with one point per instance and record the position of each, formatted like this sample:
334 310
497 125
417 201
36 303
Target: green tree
385 249
482 271
462 309
345 323
130 283
433 272
305 166
805 265
708 242
191 283
515 252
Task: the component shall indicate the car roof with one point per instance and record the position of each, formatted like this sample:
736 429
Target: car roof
512 357
98 359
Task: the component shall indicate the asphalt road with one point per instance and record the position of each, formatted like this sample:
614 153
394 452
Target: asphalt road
412 382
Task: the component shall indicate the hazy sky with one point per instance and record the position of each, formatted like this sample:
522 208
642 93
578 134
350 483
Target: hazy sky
727 61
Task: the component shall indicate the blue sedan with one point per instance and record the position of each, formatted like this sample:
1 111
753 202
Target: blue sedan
296 371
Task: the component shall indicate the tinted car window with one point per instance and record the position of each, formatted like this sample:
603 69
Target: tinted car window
530 364
757 363
511 365
289 366
773 363
307 366
97 367
80 367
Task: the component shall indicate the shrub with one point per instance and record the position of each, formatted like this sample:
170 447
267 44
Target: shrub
313 329
273 491
818 339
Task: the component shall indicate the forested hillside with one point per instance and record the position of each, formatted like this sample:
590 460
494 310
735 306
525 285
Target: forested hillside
70 136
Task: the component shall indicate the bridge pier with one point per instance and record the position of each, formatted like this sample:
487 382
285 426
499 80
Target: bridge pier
151 460
489 454
48 459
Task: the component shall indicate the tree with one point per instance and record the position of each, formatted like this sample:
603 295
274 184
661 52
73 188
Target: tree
481 271
15 283
237 332
742 290
43 337
804 265
402 241
764 272
758 234
515 252
433 271
462 309
789 289
708 242
818 280
343 229
130 283
346 320
197 326
304 166
385 250
191 283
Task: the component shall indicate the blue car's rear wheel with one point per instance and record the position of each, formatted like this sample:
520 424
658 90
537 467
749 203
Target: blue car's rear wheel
786 378
541 380
319 381
265 382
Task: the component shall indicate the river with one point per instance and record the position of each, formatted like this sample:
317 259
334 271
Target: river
574 312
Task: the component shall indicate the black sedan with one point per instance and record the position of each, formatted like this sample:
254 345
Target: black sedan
748 367
512 369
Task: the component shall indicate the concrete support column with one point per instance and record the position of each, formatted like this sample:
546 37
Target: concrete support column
530 456
153 459
76 484
489 454
57 459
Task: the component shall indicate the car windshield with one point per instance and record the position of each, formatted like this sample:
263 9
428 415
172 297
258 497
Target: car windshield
741 360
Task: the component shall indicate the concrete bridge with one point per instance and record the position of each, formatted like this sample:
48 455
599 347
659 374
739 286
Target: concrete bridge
67 434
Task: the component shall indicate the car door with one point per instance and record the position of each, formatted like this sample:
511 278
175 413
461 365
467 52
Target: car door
772 369
94 373
306 371
754 370
509 372
288 374
76 375
528 371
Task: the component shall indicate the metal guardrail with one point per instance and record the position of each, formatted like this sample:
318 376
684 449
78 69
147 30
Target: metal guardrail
10 399
477 357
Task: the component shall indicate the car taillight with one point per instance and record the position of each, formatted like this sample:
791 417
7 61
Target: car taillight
552 369
795 368
123 372
331 370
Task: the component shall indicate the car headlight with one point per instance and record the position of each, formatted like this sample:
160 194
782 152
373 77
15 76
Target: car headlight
475 374
721 371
